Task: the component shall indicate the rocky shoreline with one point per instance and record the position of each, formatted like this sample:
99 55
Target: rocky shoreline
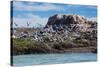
71 50
39 48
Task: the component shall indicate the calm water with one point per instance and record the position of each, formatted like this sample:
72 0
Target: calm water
40 59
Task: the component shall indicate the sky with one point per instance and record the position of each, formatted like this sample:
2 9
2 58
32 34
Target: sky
37 13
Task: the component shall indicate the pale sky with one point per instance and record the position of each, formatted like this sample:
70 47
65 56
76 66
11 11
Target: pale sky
37 13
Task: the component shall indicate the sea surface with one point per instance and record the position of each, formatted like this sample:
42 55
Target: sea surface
45 59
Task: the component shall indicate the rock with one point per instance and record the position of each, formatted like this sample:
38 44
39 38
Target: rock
74 23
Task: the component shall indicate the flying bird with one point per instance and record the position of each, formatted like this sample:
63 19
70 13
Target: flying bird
16 24
28 24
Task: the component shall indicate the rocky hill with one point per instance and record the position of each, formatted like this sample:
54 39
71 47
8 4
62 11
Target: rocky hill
62 33
74 23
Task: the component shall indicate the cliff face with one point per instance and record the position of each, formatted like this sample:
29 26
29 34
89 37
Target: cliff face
74 23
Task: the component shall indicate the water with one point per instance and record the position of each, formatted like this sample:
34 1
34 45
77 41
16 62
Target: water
41 59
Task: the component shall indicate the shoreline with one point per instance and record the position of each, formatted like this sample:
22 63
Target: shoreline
69 50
